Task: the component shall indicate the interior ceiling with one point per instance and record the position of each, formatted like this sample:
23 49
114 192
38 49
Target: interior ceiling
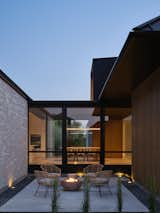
139 58
83 114
38 112
91 115
53 110
114 112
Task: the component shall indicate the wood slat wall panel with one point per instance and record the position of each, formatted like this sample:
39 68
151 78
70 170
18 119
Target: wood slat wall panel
146 130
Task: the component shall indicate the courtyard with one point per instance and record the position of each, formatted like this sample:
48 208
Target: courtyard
71 201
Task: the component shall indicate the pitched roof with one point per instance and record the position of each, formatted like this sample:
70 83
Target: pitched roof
151 25
137 60
101 68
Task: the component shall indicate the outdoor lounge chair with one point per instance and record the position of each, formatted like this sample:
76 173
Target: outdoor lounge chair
93 168
44 180
102 179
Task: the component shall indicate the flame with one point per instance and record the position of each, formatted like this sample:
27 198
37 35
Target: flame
71 180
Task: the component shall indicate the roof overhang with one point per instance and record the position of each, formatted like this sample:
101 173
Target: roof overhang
138 59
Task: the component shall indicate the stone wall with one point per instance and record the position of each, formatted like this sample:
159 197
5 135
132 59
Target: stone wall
13 135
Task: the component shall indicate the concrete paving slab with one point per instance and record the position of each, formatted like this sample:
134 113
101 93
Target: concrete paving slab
25 201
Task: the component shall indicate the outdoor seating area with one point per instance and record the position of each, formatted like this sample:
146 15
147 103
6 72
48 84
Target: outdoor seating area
37 195
71 182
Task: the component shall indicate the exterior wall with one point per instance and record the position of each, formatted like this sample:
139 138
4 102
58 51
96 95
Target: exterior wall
146 130
113 138
13 135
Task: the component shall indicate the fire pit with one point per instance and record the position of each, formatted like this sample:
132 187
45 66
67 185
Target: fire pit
71 184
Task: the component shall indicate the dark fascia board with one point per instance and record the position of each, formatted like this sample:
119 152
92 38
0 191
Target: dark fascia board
76 104
12 84
131 36
94 59
148 23
63 103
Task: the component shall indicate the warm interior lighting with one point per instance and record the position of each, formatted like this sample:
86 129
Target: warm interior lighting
75 162
71 180
82 129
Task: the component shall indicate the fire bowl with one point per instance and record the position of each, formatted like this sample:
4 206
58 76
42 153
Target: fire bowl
71 184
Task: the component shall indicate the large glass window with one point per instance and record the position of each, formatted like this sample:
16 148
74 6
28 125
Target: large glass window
83 135
45 136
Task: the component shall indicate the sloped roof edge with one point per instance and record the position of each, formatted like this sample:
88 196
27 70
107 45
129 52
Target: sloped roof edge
147 23
12 84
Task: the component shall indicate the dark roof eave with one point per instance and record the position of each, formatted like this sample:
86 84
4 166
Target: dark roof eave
130 36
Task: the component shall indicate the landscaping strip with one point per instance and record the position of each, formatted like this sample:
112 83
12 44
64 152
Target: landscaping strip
9 193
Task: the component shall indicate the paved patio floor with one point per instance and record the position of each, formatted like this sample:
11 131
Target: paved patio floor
25 201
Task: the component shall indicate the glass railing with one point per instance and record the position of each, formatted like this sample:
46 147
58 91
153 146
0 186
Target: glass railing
80 157
45 157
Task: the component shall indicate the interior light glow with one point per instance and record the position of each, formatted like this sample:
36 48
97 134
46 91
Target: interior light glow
75 162
83 129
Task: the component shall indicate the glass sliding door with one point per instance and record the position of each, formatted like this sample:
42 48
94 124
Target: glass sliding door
83 136
54 140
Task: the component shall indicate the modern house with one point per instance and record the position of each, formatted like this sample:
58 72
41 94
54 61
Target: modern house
119 127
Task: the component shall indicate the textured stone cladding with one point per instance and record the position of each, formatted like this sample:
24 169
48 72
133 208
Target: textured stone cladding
13 135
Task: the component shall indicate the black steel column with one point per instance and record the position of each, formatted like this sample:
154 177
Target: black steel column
102 136
64 137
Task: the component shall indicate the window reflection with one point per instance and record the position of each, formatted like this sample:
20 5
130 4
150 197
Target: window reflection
83 135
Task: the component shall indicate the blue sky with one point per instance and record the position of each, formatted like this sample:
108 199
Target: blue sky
47 46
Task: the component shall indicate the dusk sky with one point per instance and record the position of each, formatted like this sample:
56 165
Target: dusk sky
47 46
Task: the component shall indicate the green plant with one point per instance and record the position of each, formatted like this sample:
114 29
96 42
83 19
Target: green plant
152 195
86 199
55 196
119 195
